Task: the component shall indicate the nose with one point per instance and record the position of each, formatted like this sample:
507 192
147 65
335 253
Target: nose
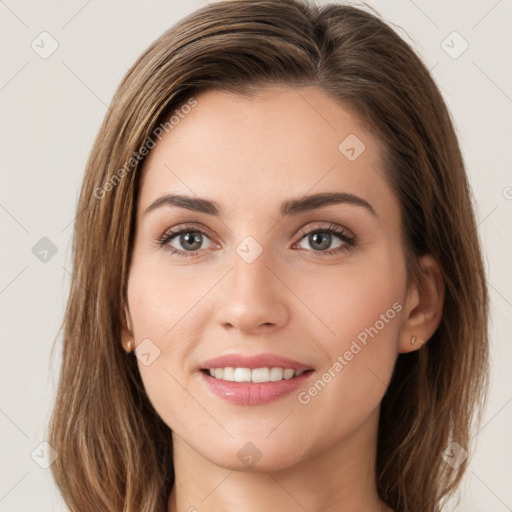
252 299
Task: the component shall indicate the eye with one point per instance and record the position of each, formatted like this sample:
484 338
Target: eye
184 242
322 238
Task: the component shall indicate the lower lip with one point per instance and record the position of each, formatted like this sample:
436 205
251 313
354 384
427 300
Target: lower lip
247 393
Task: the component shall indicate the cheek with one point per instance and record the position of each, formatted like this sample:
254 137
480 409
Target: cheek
363 309
161 297
167 324
354 298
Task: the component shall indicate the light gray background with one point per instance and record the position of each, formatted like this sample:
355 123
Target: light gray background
51 110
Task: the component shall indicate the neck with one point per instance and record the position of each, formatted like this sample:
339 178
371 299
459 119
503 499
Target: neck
338 478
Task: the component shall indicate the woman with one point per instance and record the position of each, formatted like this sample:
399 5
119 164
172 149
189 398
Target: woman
278 298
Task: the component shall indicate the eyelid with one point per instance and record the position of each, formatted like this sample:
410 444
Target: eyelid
174 231
327 226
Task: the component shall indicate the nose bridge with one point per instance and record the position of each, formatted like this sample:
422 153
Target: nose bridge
252 296
250 266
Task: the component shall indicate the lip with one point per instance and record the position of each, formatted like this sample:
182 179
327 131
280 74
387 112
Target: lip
247 393
254 361
253 393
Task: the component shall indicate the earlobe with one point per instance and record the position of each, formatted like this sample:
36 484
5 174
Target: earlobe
424 306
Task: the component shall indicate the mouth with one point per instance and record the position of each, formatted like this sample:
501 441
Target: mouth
254 386
254 379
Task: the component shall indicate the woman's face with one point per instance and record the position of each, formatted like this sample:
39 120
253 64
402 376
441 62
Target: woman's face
267 269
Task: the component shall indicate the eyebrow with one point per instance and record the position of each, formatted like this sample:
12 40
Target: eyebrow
289 207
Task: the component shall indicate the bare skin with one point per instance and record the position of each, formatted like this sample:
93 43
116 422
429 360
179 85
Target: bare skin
249 156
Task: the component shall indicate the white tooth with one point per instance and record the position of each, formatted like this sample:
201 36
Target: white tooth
242 375
229 374
260 375
288 373
276 374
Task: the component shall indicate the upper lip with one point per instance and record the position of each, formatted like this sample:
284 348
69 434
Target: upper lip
254 361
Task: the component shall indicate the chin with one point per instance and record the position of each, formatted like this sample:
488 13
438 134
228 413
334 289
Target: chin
256 456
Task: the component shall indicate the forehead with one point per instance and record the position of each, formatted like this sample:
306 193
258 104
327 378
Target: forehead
251 151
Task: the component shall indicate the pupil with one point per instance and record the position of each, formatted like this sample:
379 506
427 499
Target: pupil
324 244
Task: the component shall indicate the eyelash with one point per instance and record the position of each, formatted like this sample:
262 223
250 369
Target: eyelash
342 233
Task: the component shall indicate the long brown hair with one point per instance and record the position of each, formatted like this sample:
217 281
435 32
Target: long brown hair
115 452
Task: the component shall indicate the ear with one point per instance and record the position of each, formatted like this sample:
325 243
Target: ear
126 328
423 306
